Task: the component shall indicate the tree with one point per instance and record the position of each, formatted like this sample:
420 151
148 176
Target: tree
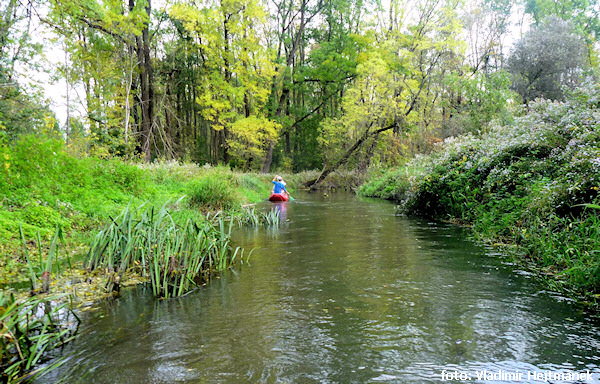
22 107
108 41
236 73
582 13
548 58
398 86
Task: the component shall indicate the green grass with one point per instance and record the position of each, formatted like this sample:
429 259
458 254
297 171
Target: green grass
45 186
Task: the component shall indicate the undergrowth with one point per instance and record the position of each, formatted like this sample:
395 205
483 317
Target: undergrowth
534 183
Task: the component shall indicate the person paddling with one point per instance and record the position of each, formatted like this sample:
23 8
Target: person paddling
279 186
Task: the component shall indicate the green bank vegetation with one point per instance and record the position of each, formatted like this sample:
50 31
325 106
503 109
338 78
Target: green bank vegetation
533 182
78 227
46 187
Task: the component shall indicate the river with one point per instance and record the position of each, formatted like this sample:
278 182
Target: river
343 292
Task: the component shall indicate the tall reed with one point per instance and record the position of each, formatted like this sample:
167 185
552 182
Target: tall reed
51 260
250 217
176 257
28 329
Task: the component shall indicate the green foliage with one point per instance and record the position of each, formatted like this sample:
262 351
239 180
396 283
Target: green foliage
393 90
250 138
235 81
390 184
42 216
46 185
534 182
486 97
577 12
176 257
22 113
26 335
213 192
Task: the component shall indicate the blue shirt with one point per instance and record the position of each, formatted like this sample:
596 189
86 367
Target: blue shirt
278 187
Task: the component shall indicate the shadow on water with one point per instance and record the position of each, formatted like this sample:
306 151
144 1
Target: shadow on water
342 292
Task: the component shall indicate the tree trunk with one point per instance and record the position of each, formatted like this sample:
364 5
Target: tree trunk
146 85
314 184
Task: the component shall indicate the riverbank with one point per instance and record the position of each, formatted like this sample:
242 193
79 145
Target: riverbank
48 187
161 223
532 183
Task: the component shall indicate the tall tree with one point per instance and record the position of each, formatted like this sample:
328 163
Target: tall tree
396 86
105 38
548 58
22 109
235 70
582 14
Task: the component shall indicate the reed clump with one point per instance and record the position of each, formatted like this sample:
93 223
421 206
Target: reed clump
28 329
175 257
249 216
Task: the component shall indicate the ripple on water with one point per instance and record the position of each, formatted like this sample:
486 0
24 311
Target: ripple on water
345 292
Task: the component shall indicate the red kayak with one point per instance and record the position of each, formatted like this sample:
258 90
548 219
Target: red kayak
278 197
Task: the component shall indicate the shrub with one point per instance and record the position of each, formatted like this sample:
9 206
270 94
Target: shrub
526 182
213 191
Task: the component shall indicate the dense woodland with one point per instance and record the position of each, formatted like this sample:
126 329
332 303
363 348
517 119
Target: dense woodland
290 84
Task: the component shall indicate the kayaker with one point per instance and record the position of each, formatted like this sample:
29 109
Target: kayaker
279 186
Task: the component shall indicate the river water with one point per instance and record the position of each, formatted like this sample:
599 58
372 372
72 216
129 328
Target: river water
343 292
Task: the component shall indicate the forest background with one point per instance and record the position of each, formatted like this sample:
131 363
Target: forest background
286 84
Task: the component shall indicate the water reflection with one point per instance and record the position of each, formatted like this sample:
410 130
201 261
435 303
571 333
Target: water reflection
343 292
281 209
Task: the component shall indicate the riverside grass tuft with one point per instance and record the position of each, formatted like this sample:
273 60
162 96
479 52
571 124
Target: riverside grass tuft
176 257
534 182
28 329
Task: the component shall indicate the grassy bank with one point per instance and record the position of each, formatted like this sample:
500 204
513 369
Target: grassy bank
77 228
44 186
532 183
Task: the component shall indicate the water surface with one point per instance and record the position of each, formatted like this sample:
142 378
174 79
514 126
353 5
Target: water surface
343 292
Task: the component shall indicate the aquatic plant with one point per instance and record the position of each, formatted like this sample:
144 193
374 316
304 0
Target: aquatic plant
30 266
28 329
176 257
45 272
271 218
249 216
